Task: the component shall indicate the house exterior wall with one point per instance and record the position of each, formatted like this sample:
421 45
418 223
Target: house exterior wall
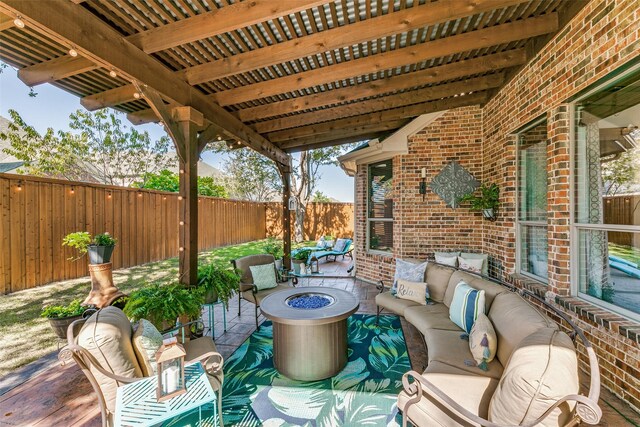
602 37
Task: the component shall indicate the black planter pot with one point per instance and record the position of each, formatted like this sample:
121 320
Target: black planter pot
60 326
100 254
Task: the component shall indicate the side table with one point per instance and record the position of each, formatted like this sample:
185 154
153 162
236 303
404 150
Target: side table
137 405
212 317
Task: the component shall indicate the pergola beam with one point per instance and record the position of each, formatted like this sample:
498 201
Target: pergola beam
69 24
109 98
334 142
339 37
479 39
384 103
55 69
441 73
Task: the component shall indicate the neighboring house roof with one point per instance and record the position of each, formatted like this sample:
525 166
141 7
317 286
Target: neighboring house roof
10 167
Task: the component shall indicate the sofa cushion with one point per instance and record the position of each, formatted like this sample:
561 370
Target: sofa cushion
467 304
107 336
393 304
473 392
146 342
437 278
413 291
408 270
513 319
434 316
449 260
483 341
484 257
447 348
543 368
469 264
457 277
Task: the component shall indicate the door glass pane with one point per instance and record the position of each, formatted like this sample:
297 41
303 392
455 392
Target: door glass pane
381 190
533 250
533 174
381 235
609 267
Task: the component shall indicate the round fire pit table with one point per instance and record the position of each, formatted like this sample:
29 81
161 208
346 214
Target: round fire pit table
309 330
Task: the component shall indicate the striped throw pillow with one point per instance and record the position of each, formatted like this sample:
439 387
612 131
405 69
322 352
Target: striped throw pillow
466 305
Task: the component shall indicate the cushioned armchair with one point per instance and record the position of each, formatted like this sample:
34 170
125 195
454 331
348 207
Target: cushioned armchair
248 290
102 346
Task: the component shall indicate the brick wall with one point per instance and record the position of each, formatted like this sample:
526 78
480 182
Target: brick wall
602 37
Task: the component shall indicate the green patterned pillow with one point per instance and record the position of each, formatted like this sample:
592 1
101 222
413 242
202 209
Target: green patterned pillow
264 276
146 342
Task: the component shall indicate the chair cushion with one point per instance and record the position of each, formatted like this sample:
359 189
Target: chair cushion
437 278
198 347
513 319
466 305
543 368
473 392
472 265
393 304
107 336
257 298
435 316
483 341
413 291
340 245
244 262
146 342
264 276
408 270
485 257
448 348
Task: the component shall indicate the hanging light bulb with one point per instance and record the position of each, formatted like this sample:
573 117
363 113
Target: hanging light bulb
73 52
113 73
18 22
19 187
136 95
73 190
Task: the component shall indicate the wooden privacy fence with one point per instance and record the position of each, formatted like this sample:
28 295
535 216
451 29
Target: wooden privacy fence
36 213
624 210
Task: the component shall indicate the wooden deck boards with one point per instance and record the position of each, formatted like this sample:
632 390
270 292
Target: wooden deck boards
55 395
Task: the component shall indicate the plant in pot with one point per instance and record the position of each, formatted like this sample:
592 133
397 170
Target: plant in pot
486 202
162 305
100 248
217 283
274 247
61 316
299 257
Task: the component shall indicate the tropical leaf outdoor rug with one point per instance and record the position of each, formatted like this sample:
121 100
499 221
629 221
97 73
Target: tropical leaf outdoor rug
364 393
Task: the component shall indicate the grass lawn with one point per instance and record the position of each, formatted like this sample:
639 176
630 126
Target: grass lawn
628 253
30 335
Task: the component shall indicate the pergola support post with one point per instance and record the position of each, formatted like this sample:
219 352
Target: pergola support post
285 173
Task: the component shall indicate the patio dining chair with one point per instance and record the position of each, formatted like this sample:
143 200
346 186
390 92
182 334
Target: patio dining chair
102 347
248 290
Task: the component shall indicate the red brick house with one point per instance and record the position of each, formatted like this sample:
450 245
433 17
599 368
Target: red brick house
549 139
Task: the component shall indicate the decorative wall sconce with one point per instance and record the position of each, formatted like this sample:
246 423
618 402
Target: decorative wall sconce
423 182
292 204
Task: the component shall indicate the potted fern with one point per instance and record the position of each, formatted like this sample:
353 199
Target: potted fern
162 305
486 202
61 316
299 257
217 283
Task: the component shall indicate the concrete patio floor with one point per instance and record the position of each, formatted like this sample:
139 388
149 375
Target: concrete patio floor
44 393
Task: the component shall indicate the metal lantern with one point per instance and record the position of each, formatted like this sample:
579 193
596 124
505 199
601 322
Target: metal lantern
314 265
170 359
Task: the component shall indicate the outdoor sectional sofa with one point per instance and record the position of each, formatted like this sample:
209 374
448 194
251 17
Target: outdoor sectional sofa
533 379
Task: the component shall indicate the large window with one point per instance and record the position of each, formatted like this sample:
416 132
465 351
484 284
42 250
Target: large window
380 207
607 195
532 201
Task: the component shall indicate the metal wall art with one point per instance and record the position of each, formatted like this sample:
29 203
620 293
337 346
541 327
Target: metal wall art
452 183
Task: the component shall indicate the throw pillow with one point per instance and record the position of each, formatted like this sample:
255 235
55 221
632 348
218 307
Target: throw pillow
485 257
413 291
451 260
467 303
339 245
483 341
408 271
472 265
264 276
146 342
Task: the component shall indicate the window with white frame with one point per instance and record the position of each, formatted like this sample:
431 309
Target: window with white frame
606 242
380 206
532 201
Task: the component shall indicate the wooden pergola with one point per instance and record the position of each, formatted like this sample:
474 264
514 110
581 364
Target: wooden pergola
278 76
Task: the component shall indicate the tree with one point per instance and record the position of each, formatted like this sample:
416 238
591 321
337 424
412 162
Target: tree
621 173
165 180
251 176
320 197
55 154
120 153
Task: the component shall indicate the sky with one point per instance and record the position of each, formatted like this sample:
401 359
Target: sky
52 106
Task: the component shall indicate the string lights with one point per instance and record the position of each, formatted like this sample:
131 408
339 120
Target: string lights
113 73
19 186
73 190
73 52
18 22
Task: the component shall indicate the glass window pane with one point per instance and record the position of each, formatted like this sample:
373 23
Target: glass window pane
533 251
381 190
533 174
608 155
609 267
381 235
